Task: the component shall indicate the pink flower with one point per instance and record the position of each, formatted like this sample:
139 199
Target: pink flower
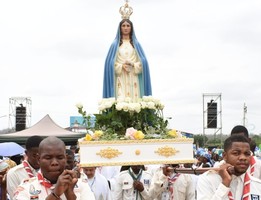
130 133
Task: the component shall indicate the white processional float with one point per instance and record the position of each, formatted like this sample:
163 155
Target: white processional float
131 132
153 145
136 152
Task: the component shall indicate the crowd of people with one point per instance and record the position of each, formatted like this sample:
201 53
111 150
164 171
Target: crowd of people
51 171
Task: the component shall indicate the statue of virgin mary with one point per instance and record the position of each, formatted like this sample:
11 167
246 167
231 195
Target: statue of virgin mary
126 71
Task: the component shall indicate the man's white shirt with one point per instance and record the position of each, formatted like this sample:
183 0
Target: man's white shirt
210 187
32 189
183 187
15 177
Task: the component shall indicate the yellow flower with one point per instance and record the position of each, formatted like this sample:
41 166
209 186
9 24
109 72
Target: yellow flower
173 133
138 135
97 134
88 137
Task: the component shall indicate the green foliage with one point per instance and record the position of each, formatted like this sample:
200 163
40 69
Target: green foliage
117 121
200 139
116 117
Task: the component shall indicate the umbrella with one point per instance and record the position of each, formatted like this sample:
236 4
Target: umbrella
10 149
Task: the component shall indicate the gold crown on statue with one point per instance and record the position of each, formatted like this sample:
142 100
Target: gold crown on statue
126 11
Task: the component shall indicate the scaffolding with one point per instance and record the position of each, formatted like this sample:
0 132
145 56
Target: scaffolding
212 114
14 104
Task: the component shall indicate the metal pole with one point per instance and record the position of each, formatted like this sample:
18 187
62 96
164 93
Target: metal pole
244 114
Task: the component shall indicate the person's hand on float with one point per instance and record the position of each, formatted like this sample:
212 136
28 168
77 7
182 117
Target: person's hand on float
167 170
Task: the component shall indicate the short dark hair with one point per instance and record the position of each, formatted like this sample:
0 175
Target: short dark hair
33 141
69 152
240 129
234 138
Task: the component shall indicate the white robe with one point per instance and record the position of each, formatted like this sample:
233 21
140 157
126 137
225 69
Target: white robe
127 84
99 186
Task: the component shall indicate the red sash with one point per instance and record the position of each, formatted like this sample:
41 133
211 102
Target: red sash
28 169
246 189
252 165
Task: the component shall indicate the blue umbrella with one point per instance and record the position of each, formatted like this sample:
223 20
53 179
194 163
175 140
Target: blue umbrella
10 149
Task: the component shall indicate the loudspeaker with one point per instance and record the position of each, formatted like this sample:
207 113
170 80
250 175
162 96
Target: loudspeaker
212 115
20 118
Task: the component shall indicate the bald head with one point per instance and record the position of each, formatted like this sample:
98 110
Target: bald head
51 141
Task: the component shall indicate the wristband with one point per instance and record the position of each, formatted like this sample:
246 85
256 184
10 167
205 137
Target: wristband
56 196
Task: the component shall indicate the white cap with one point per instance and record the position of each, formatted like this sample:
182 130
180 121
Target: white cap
3 165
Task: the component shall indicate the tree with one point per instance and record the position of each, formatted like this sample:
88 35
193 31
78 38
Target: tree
199 140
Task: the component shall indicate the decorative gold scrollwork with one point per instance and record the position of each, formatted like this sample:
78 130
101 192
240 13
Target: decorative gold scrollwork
166 151
109 153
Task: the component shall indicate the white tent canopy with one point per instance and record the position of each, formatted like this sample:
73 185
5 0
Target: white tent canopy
45 127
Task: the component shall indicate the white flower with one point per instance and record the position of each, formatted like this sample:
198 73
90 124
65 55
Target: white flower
79 105
137 107
128 100
106 103
125 107
120 99
151 105
143 105
119 106
90 132
131 107
159 106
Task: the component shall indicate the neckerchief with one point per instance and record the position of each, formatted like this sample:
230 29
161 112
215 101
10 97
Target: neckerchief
252 165
43 181
135 178
246 189
170 184
28 169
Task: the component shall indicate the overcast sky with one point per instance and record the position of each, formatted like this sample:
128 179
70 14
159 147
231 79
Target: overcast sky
53 51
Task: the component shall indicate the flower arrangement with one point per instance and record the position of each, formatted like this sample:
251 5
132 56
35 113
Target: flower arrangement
124 119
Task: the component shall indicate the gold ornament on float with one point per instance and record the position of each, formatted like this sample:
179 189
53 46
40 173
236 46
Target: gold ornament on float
166 151
109 153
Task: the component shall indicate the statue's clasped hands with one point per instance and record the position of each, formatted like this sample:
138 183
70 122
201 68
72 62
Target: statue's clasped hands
128 66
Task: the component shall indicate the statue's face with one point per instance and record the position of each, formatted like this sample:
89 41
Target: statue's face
125 28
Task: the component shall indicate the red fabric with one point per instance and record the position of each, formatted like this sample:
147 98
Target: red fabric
171 181
252 165
43 181
28 169
246 189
